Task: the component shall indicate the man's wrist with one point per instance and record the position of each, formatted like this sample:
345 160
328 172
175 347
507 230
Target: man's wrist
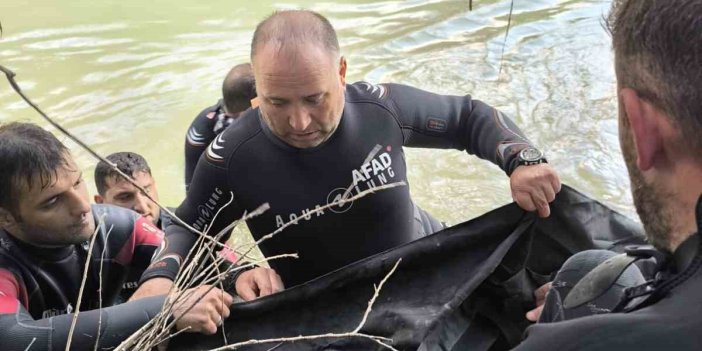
527 156
229 283
152 287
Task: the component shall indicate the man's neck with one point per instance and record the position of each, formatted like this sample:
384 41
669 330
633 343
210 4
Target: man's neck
685 190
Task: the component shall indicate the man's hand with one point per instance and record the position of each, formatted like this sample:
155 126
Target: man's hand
540 298
208 310
152 287
258 282
534 187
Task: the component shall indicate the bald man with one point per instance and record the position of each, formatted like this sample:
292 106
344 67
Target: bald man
238 90
315 140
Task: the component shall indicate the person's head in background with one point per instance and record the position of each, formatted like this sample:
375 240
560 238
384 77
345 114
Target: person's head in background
238 89
658 62
113 189
43 198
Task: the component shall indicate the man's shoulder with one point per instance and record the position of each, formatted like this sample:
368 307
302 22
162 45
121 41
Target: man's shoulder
366 92
646 330
8 261
245 129
120 219
210 112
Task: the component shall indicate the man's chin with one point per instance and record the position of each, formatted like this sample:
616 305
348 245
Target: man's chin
151 219
85 233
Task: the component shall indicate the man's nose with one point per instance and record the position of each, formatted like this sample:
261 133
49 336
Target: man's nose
79 204
141 204
300 119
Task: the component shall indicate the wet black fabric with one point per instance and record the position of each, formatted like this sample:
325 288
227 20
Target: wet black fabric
464 288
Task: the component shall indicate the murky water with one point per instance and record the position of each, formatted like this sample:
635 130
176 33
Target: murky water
131 75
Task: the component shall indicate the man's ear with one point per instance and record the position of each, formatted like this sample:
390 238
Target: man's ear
342 70
6 218
255 102
643 120
99 199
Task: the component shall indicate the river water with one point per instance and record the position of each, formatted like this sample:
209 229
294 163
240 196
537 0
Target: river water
132 74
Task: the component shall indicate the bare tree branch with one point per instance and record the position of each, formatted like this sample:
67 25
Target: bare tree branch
504 42
85 278
33 339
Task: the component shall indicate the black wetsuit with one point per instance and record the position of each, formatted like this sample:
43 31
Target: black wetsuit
39 287
164 219
667 317
365 151
204 128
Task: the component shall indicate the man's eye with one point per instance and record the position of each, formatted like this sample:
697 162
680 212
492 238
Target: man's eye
51 203
315 100
276 102
123 198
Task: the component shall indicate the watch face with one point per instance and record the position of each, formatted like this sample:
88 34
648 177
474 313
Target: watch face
530 154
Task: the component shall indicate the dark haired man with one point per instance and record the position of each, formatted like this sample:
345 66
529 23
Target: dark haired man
115 190
238 89
658 51
314 140
46 223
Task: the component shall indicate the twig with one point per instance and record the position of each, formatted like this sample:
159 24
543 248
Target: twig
303 338
82 284
33 339
375 296
504 42
102 259
352 334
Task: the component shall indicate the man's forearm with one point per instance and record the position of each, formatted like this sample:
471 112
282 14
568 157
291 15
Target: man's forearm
171 255
116 323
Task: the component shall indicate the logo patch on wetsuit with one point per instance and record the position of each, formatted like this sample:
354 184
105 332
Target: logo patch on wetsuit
207 210
53 312
150 228
374 90
437 125
374 172
216 146
194 138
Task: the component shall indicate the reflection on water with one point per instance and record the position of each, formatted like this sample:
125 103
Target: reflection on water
131 76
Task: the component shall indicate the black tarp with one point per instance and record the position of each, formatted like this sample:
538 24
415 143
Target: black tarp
464 288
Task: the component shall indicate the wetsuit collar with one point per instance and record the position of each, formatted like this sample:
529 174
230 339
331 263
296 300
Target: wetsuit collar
688 249
164 219
44 253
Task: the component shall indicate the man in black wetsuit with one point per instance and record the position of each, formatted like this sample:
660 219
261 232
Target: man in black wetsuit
238 89
46 224
315 140
658 51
